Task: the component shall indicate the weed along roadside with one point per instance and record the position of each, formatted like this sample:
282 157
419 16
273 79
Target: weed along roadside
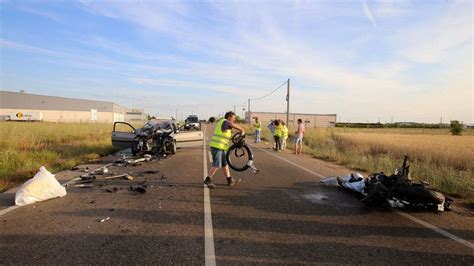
58 146
445 161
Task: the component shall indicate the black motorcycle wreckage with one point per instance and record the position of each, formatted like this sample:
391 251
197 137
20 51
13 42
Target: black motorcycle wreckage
399 191
156 139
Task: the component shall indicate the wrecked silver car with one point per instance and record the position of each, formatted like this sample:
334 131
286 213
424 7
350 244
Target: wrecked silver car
157 136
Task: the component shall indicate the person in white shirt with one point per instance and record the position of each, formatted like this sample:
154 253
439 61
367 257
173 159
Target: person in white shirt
299 137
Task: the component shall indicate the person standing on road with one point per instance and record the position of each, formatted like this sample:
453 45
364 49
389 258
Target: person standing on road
285 135
277 135
299 137
219 144
271 127
258 130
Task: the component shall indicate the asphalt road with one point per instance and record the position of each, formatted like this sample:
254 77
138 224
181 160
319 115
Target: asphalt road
280 216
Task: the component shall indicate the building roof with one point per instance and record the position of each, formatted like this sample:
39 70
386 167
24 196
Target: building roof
17 100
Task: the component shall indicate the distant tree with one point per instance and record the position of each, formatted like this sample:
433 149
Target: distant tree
456 127
212 119
239 119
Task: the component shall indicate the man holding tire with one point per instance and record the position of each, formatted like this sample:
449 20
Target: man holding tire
220 142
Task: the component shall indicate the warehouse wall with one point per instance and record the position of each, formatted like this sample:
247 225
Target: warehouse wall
65 116
310 120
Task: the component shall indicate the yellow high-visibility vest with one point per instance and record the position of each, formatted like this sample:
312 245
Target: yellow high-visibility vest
285 132
258 126
220 140
278 131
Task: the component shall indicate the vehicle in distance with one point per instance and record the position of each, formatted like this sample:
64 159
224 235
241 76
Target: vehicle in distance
192 122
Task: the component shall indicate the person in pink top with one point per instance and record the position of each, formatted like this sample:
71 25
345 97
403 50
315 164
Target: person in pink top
299 137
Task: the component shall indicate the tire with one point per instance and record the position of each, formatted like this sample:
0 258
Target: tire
419 194
134 148
173 147
236 149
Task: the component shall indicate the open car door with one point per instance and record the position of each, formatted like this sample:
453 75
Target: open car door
124 136
189 139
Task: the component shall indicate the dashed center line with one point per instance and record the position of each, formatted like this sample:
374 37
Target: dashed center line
209 251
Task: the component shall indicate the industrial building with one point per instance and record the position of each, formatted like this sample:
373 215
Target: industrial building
19 106
310 120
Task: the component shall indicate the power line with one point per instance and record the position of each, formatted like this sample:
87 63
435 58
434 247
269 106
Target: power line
270 93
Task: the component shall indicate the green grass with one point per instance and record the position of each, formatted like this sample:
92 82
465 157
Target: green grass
24 147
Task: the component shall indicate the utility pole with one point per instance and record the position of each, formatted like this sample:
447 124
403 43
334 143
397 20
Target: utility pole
234 109
248 110
176 117
287 102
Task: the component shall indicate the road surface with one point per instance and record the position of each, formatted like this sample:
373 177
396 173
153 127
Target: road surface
280 216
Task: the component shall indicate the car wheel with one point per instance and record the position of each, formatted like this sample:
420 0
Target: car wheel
173 147
134 148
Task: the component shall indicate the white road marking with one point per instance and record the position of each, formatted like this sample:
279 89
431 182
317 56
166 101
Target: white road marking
437 229
295 164
9 209
209 251
403 214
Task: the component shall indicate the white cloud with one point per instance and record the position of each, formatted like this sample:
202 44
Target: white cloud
429 40
392 8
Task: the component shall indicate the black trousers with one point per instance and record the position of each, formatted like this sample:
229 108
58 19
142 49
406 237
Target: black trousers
278 143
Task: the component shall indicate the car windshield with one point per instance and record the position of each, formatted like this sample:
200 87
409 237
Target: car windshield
158 123
192 119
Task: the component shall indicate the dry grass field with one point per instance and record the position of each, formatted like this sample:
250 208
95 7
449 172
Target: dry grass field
24 147
445 161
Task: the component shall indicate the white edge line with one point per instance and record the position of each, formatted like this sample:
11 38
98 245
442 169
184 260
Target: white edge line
9 209
209 251
436 229
403 214
295 164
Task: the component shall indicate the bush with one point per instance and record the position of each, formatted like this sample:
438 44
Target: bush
456 127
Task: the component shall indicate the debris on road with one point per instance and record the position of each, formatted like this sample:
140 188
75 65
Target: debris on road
395 191
126 161
140 189
105 219
355 182
84 185
87 176
42 186
124 176
101 171
151 172
112 190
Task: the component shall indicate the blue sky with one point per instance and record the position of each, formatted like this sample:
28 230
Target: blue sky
363 60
